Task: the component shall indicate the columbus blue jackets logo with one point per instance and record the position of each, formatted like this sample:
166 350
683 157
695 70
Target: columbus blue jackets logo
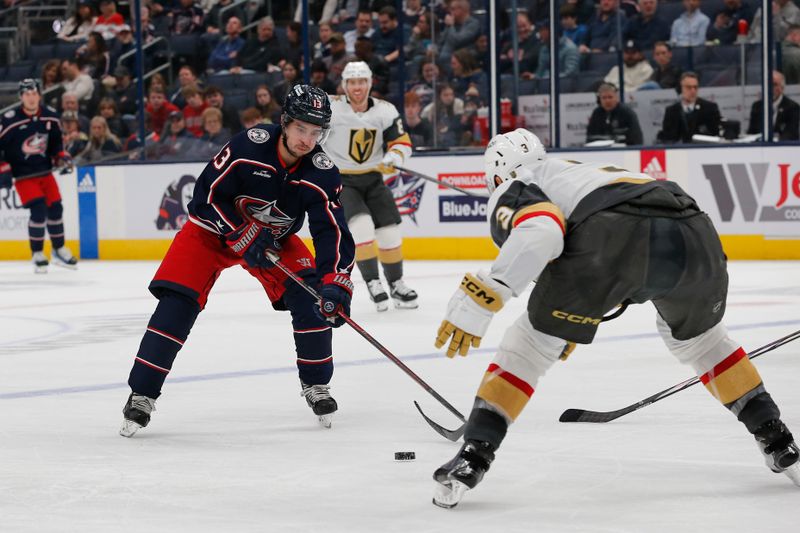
407 191
267 213
36 144
172 214
322 161
257 135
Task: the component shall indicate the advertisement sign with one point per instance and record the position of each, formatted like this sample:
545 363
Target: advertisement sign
653 163
462 209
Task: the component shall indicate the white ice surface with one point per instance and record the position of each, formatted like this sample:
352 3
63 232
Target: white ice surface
233 447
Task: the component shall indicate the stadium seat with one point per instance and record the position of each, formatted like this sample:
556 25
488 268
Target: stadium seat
19 71
64 50
225 82
237 99
601 62
249 82
671 10
41 52
184 45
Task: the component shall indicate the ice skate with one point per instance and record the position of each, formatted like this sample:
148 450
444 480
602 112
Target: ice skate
779 449
137 412
462 473
320 401
404 298
63 257
378 295
40 263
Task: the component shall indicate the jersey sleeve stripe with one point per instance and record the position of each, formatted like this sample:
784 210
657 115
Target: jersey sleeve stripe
12 126
541 209
331 218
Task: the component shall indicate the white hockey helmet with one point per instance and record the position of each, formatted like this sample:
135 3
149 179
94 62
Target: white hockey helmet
508 152
356 70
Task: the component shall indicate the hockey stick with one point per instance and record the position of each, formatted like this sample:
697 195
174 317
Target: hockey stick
582 415
440 182
369 338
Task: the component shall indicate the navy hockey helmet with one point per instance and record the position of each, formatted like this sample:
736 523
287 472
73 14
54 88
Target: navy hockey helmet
309 104
29 84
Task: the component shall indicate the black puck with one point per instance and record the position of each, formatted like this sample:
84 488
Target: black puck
404 456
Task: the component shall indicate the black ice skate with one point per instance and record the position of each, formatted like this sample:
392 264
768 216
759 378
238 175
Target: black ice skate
462 473
63 257
137 412
404 298
320 401
378 295
40 263
779 449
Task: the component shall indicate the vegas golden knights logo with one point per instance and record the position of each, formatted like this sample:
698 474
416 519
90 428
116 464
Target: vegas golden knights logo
362 142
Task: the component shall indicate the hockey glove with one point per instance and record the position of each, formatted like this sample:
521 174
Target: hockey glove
65 162
6 179
391 159
469 312
335 294
250 242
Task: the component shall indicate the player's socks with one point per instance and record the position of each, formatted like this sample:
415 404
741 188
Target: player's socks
320 401
137 412
462 473
402 295
779 449
40 263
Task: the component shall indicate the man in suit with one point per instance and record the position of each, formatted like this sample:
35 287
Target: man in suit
690 115
785 112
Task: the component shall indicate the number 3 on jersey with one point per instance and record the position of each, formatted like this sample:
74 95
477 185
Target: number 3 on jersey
222 158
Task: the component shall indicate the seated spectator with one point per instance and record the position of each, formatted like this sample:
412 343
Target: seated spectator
269 108
445 114
604 28
94 56
122 44
725 27
52 89
466 74
666 73
157 81
430 75
152 28
690 28
412 11
186 18
107 109
784 14
321 47
421 44
80 24
791 55
461 29
293 50
214 134
337 60
637 69
570 27
260 51
176 141
786 113
230 117
291 78
418 128
158 108
76 82
689 116
74 139
225 54
69 102
648 27
186 78
386 41
102 143
216 20
363 28
568 56
528 46
192 115
321 11
251 117
319 77
109 21
124 91
379 67
613 120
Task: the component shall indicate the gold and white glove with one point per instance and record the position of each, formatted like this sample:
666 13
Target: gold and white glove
391 159
470 311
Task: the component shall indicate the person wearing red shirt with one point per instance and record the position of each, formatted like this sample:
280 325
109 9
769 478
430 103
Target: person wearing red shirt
193 111
158 108
109 22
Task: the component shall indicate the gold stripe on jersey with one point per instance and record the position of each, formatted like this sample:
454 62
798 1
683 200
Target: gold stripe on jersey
547 207
359 171
362 143
635 181
391 255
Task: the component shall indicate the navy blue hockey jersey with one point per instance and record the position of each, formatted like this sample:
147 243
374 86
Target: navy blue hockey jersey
30 143
247 181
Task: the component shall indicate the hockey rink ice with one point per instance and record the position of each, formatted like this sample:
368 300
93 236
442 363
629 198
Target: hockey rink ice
233 446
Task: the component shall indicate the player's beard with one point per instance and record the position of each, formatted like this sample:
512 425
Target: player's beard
291 152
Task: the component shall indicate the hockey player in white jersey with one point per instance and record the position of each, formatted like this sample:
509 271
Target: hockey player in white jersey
593 236
367 140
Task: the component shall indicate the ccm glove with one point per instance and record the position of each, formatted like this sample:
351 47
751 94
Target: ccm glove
335 294
469 312
391 159
65 162
250 242
6 179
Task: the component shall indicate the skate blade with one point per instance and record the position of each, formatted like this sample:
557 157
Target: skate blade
129 428
326 420
793 473
40 270
382 306
65 265
399 304
449 493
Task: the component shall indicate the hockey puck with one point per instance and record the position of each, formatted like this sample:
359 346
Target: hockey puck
404 456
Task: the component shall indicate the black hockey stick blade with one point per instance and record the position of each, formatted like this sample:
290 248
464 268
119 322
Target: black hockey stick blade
449 434
582 415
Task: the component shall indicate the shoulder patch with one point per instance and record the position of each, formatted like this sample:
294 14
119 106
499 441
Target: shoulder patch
257 135
322 161
10 114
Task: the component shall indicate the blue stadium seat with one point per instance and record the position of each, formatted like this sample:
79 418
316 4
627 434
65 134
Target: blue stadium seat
249 82
601 62
718 55
184 45
225 82
65 50
39 52
237 99
19 71
671 10
681 56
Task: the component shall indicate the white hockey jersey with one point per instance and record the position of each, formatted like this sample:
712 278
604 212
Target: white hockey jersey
535 206
357 141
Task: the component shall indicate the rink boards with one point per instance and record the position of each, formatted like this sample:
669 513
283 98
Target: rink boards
132 212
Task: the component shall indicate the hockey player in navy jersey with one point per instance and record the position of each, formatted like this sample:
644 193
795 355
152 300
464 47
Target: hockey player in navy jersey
253 196
594 236
30 144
